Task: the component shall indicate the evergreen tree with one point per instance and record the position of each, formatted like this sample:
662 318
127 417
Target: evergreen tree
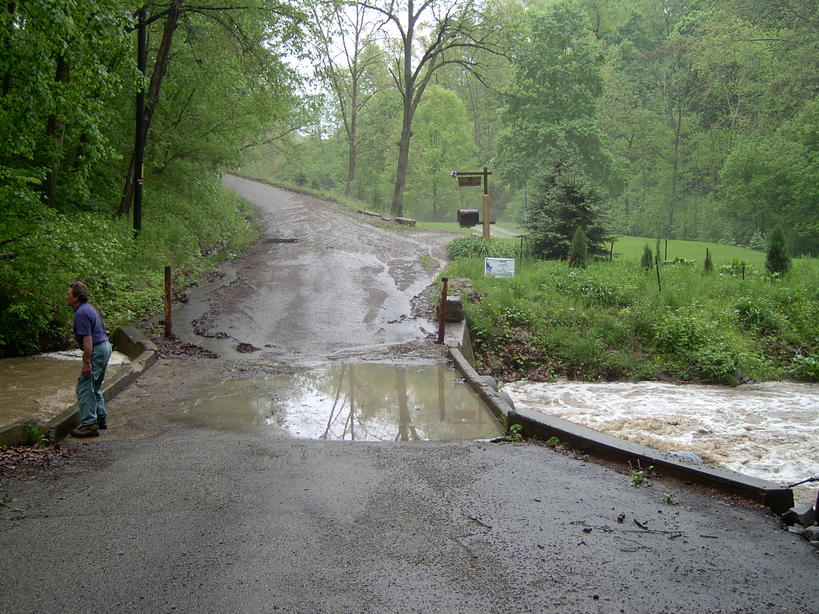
709 265
579 250
778 261
564 200
647 260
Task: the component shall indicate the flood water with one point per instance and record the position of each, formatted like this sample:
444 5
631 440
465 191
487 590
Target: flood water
43 384
768 430
355 402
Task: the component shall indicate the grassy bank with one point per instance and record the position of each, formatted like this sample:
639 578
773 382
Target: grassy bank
189 224
611 321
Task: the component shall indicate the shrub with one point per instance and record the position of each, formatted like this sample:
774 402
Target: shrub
708 267
579 250
777 262
647 259
470 247
806 367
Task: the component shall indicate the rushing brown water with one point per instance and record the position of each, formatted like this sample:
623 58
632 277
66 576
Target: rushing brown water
42 384
768 430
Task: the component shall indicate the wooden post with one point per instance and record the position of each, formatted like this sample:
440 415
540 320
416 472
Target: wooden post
657 265
168 296
487 217
442 311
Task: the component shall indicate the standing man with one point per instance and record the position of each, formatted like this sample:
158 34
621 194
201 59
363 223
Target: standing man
96 350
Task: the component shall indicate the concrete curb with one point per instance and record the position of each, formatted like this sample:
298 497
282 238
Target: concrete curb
128 340
542 426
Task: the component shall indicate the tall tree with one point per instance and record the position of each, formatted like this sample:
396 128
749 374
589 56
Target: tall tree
421 51
551 104
564 202
271 13
342 41
442 142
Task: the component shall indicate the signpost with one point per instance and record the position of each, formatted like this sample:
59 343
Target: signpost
474 179
499 267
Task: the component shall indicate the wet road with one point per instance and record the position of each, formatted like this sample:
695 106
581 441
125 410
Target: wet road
170 513
319 281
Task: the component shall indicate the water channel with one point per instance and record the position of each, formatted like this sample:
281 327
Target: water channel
43 384
768 430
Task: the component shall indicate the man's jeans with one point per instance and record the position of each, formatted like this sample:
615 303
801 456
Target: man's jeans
89 389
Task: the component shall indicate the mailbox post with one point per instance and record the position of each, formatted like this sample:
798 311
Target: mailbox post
475 178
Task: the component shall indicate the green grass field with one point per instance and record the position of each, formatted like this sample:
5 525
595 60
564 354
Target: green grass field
631 248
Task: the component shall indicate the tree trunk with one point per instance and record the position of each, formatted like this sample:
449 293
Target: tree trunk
11 7
675 165
352 144
160 68
397 208
56 130
434 198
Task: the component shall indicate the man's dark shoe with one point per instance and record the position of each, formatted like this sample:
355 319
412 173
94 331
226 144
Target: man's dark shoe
86 430
102 424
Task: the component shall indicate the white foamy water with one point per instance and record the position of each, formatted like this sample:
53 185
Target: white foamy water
768 430
117 358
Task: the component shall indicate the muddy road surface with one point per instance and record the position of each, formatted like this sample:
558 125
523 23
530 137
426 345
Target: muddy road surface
171 510
319 282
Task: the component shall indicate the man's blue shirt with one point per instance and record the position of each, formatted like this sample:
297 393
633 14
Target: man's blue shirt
87 321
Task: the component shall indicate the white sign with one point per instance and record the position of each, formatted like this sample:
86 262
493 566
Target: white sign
499 267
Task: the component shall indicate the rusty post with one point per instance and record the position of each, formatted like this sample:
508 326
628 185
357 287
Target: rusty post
168 295
442 311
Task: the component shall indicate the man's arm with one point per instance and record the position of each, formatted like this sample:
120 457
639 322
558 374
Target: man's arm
87 349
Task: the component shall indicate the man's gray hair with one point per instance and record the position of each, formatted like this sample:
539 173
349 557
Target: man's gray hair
79 290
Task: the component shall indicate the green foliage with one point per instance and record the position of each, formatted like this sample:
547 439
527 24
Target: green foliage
476 247
777 262
512 431
35 435
806 367
708 267
647 259
193 222
515 433
639 476
442 139
579 249
551 101
609 321
564 201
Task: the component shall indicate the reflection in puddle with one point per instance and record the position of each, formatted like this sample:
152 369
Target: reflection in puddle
362 402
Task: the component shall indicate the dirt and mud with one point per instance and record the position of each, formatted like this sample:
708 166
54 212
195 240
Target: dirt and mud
318 282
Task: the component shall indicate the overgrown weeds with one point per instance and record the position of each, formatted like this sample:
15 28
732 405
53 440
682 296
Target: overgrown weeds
610 321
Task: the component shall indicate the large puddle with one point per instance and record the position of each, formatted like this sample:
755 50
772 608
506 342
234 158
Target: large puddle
43 384
768 430
355 402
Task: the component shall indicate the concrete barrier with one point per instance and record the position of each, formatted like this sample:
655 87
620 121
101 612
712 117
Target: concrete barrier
543 426
127 340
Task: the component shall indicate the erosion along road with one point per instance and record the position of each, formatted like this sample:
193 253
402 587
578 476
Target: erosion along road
173 510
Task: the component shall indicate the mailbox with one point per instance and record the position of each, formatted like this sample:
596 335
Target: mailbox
467 217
